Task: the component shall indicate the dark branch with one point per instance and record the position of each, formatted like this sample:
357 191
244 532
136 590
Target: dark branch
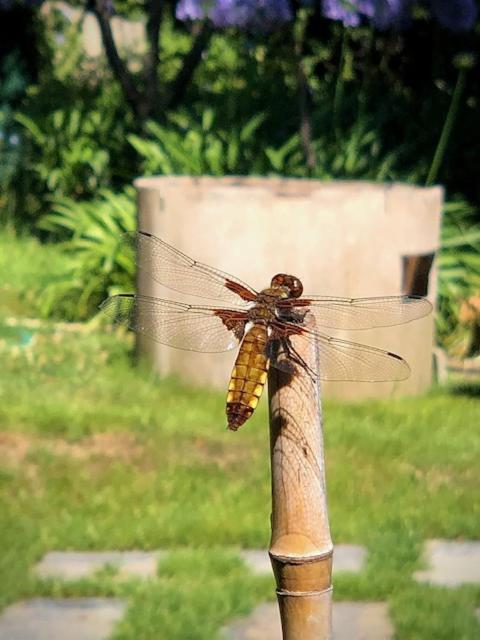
305 101
154 10
190 63
305 112
120 71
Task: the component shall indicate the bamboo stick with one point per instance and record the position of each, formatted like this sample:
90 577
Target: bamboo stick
301 548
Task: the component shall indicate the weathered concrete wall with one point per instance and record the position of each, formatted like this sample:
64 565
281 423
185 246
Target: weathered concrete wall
129 35
340 238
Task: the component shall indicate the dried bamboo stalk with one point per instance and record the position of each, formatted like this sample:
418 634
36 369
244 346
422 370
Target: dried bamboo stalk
301 548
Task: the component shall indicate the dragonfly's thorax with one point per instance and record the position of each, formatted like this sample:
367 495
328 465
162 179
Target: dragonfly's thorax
264 309
262 312
272 294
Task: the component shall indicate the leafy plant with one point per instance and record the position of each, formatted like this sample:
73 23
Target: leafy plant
99 263
196 145
12 86
459 280
70 150
358 153
69 127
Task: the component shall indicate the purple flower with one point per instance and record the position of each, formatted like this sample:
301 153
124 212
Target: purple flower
346 11
192 9
381 13
260 14
457 15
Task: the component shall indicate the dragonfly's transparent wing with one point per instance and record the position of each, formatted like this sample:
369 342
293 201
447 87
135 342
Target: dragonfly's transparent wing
358 313
178 272
341 360
179 325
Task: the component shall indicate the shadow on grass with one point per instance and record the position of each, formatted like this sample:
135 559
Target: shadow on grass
466 389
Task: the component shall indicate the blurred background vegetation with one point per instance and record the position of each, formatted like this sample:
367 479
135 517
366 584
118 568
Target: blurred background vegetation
96 454
329 93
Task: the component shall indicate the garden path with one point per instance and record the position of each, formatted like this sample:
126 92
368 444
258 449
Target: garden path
448 564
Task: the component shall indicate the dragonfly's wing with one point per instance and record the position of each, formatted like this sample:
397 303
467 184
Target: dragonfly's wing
179 325
178 272
340 360
359 313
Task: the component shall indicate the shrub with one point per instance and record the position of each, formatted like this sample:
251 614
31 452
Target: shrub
69 128
12 86
196 145
458 326
98 263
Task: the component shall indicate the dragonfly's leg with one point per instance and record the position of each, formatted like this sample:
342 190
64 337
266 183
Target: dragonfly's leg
297 358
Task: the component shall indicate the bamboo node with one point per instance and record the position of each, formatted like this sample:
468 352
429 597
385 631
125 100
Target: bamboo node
291 559
302 594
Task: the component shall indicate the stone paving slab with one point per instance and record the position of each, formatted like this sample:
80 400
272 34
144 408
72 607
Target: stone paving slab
73 565
451 563
351 621
346 557
66 619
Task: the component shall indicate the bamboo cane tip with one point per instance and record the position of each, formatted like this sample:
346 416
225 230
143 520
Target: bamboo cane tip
295 545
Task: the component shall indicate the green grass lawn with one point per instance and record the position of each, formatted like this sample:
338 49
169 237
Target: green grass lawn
98 454
25 268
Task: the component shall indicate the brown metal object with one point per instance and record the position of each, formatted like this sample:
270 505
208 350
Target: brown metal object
301 547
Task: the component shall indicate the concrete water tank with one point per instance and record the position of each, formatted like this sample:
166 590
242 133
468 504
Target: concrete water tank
350 239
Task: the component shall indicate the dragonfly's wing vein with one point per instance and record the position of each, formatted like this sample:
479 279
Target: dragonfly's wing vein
178 272
342 360
362 313
179 325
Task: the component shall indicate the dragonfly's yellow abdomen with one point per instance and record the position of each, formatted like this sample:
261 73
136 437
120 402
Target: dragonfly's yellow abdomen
248 378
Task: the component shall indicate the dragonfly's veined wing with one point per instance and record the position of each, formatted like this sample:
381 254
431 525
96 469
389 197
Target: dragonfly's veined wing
360 313
184 326
178 272
340 360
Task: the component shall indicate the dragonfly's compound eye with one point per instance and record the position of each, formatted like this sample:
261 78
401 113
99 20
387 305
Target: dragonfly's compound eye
291 283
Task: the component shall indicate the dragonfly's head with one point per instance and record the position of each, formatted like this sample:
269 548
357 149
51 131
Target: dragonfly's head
292 284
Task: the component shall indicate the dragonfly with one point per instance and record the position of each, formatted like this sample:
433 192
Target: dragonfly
261 323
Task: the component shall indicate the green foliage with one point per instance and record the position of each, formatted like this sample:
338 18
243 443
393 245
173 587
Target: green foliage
71 151
69 130
194 144
459 277
357 153
98 262
70 157
26 268
197 145
12 86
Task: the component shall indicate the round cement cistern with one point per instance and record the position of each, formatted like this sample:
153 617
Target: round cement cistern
349 238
